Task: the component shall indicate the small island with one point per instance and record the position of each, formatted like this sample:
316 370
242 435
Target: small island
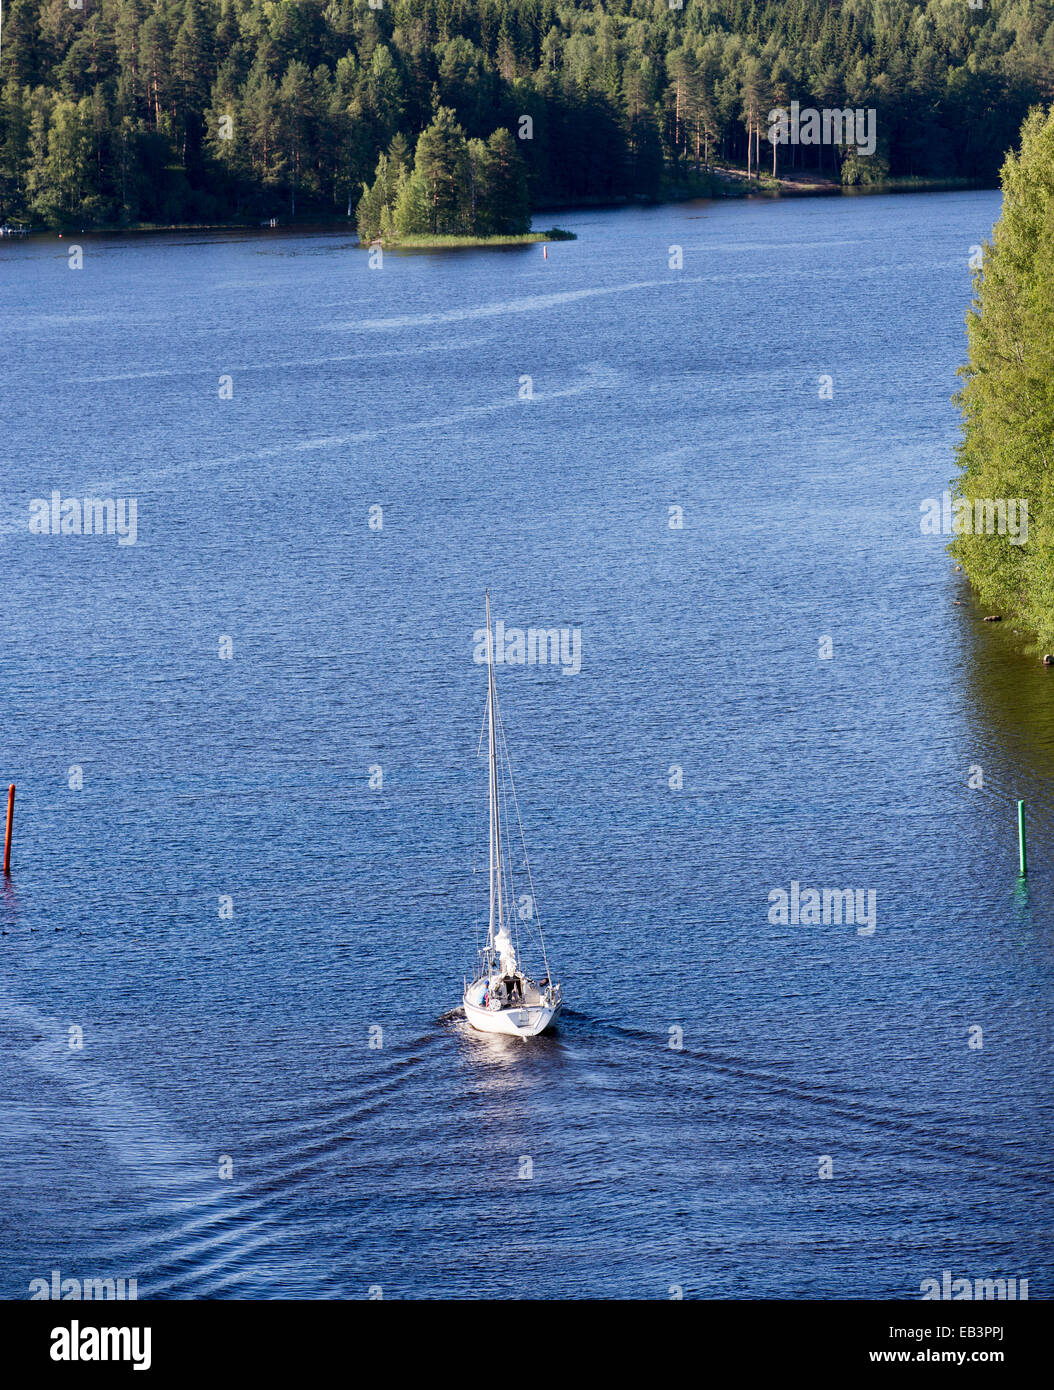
427 242
452 192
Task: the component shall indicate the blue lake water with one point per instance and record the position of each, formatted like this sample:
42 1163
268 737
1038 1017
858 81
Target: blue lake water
246 1038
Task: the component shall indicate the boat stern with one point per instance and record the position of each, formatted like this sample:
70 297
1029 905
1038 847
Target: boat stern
516 1020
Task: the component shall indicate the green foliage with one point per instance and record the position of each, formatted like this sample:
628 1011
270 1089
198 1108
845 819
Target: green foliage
443 171
501 204
858 171
457 187
1007 399
114 111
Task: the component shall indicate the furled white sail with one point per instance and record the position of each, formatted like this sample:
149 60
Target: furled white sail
506 952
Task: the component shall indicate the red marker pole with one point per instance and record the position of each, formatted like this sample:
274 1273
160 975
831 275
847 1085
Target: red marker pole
10 827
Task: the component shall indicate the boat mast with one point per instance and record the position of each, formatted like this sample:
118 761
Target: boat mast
495 828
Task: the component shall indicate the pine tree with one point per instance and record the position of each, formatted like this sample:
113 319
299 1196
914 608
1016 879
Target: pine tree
502 205
295 110
15 121
1007 400
442 163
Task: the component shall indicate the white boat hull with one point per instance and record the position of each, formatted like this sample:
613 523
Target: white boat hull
521 1020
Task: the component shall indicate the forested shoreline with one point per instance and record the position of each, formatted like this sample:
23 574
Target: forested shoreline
118 112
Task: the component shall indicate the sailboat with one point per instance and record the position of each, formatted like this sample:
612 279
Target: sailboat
502 997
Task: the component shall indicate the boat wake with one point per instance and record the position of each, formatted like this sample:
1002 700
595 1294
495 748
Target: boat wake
182 1229
698 1067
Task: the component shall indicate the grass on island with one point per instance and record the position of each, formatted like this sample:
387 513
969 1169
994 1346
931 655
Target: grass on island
417 242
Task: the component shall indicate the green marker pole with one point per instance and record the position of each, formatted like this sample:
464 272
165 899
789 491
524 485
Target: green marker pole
1021 838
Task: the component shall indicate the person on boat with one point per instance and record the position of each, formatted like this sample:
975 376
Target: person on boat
512 987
